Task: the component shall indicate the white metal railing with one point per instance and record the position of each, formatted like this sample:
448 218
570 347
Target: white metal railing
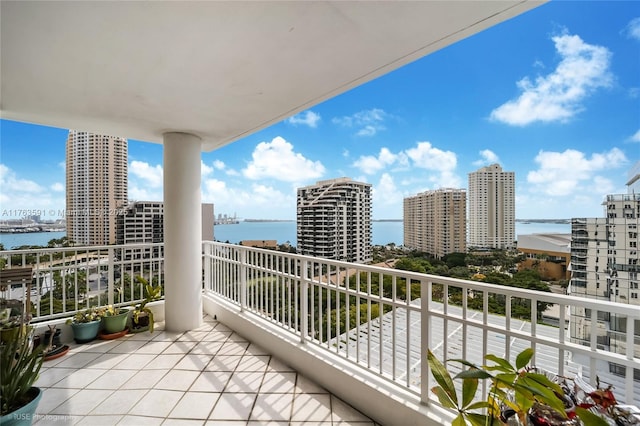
380 319
384 319
69 279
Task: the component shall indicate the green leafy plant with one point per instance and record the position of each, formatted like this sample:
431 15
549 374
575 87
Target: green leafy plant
88 315
19 369
152 293
515 390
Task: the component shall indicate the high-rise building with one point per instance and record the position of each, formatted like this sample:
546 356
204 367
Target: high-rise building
96 186
605 266
435 221
142 222
334 220
492 211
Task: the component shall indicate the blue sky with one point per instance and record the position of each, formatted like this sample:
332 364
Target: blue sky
553 95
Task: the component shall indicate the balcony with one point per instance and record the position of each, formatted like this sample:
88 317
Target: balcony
283 313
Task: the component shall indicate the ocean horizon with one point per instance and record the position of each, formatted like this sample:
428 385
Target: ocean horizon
383 232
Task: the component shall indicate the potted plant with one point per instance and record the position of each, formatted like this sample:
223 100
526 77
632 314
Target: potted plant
86 324
519 395
20 364
142 316
114 319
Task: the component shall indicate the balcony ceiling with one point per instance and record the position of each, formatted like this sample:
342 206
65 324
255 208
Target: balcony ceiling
220 70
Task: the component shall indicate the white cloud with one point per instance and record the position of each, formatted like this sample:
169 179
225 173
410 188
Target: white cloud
369 164
635 137
151 175
386 193
368 122
267 201
204 169
9 181
426 156
217 164
307 118
21 197
58 187
564 173
633 28
277 160
488 157
558 95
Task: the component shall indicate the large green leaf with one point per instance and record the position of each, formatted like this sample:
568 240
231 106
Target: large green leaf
590 419
478 419
501 364
442 376
545 395
469 387
459 421
546 382
444 397
473 373
523 358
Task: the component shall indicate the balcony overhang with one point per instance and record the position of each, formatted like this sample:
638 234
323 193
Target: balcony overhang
219 70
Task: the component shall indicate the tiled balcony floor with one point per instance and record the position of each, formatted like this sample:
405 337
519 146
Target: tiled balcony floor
210 376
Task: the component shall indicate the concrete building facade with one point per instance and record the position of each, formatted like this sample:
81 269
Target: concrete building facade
334 220
435 221
492 212
549 254
96 178
143 222
604 266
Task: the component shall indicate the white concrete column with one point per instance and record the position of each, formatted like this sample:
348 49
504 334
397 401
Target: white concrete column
182 232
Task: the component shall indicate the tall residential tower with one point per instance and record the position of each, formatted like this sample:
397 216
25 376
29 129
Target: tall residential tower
334 220
492 211
435 221
605 266
96 186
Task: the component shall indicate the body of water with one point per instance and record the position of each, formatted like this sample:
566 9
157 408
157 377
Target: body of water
383 233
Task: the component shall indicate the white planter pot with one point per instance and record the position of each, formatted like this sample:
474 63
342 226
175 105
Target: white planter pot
157 308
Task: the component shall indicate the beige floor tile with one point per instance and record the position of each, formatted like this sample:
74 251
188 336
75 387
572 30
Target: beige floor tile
177 380
278 382
272 407
233 406
144 379
119 402
195 405
164 361
108 360
224 363
253 363
79 378
244 381
196 362
114 379
153 348
134 362
311 407
211 381
82 403
133 420
157 403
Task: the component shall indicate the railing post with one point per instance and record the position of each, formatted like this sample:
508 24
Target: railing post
425 299
304 302
243 279
111 278
208 285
